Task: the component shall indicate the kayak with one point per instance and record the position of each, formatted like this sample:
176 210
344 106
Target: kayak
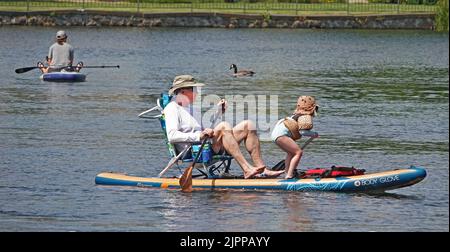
63 77
374 182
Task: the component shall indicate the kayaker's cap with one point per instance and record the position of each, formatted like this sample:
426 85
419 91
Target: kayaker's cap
61 35
306 105
182 81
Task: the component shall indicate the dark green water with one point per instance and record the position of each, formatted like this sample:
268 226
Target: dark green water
384 105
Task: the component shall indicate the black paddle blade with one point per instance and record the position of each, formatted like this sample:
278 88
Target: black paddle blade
25 69
279 166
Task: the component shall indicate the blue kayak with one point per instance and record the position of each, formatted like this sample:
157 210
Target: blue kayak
374 182
63 77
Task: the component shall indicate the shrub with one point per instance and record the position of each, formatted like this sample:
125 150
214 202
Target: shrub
429 2
442 16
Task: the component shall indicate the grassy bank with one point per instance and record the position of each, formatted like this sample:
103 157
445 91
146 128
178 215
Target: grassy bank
331 7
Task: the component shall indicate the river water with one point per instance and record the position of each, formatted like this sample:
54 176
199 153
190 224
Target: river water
383 99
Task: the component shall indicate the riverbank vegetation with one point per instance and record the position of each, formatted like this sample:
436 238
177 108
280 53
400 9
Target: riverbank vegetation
442 16
287 7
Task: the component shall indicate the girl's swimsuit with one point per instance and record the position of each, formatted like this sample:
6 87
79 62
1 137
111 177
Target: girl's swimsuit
280 130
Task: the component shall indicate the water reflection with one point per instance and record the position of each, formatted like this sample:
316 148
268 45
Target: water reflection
298 218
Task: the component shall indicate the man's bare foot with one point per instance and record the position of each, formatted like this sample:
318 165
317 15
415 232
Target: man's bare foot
254 171
272 174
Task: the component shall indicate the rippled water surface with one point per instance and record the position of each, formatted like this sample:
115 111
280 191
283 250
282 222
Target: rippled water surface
384 105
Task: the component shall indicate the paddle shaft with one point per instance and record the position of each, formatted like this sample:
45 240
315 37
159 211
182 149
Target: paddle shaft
100 66
307 142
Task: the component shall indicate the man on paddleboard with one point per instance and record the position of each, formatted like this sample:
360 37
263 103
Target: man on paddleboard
181 126
60 55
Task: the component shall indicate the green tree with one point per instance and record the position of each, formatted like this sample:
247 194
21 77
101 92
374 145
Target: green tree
442 16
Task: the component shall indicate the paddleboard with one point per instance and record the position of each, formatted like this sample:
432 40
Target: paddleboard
379 182
63 77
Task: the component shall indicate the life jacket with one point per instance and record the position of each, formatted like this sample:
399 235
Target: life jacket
292 126
296 123
334 171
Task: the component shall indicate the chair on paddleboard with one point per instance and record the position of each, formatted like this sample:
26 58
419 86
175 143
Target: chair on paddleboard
209 165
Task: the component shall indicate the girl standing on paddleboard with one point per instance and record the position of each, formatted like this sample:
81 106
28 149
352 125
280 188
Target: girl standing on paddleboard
287 131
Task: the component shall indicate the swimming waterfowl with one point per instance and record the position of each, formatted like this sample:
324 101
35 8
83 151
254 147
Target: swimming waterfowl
243 72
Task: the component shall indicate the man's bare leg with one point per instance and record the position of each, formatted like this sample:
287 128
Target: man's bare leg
223 137
246 131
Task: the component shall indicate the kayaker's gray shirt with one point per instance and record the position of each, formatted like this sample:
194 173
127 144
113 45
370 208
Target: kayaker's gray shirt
61 55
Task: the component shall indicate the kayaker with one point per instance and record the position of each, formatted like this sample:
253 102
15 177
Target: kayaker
60 55
286 132
181 126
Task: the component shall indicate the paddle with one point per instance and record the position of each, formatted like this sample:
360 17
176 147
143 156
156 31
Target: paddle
26 69
186 179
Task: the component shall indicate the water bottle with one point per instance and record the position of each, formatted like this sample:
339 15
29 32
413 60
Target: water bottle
206 153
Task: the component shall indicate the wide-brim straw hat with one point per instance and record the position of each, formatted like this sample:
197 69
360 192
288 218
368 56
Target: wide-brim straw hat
306 105
182 81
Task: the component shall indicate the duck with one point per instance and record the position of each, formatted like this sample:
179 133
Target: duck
243 72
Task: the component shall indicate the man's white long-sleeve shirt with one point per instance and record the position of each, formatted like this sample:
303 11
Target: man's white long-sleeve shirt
181 126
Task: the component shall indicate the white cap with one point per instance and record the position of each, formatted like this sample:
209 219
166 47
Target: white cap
61 35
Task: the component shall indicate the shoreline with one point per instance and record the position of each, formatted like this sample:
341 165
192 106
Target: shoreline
420 21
